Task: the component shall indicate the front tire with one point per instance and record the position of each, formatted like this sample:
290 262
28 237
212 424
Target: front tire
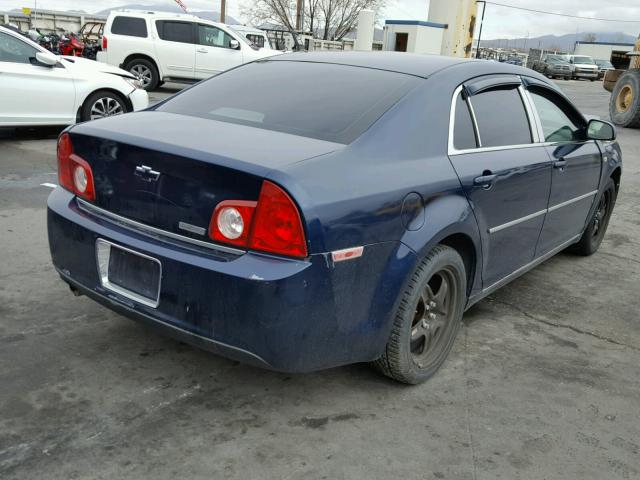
102 104
428 318
598 223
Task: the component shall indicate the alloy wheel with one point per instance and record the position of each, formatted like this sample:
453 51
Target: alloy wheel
106 107
433 317
143 73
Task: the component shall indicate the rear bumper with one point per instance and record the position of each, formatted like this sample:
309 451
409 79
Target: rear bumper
283 314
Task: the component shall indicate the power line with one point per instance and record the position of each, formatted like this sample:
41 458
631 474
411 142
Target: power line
561 14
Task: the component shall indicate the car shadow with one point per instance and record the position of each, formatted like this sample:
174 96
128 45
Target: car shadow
30 133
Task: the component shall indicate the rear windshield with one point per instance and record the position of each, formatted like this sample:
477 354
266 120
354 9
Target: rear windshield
318 100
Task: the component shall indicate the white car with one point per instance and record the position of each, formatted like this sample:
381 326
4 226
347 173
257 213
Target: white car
257 37
583 66
159 46
40 88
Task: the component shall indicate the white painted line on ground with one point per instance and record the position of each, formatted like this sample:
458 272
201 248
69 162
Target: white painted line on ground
47 184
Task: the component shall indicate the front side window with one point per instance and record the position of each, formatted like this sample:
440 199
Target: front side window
130 26
213 37
559 122
14 50
464 136
501 117
181 32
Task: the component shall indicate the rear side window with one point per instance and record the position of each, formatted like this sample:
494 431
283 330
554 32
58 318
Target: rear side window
131 26
501 117
464 136
290 98
175 31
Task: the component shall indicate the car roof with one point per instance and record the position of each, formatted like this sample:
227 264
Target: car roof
418 65
401 62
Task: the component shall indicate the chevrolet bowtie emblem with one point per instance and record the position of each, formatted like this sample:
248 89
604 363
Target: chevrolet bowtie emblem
147 173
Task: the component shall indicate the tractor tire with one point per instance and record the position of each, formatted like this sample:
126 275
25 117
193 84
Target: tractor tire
624 106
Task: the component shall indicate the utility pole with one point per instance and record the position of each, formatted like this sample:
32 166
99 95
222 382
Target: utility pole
223 9
299 15
484 7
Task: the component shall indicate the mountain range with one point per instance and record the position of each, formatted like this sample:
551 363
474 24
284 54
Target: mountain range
169 7
558 42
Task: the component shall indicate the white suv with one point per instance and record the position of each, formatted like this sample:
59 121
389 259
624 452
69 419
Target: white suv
161 46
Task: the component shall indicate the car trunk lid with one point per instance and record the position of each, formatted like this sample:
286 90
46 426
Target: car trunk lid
169 171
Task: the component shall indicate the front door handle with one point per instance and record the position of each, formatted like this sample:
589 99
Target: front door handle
560 164
202 50
486 180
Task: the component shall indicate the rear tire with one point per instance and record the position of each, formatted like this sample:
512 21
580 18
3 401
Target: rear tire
145 70
102 104
428 318
598 223
624 106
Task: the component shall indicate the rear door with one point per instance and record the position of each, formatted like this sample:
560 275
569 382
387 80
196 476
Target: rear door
505 175
31 93
213 51
576 162
175 48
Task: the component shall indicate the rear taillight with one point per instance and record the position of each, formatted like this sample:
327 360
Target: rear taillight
104 43
272 224
231 222
74 173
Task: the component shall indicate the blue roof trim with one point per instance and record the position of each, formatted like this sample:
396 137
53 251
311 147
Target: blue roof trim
416 22
606 43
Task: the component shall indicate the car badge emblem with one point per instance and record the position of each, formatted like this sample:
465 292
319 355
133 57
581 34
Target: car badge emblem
147 173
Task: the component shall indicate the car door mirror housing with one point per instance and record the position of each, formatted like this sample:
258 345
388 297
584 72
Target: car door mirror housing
46 59
234 44
600 130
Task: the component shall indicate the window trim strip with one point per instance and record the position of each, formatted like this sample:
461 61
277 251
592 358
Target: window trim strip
531 216
535 126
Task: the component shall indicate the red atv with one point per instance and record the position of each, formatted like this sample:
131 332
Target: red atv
70 45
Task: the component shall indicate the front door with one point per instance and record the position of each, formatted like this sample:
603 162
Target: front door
506 177
577 165
214 53
32 93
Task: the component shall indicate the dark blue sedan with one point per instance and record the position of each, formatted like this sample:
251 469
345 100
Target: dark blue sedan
314 210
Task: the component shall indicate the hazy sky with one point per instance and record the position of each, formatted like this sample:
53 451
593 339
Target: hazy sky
499 21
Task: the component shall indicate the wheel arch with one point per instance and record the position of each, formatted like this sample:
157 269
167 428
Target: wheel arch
144 56
115 91
450 221
616 175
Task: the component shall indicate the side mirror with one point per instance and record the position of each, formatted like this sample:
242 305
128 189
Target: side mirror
234 44
600 130
46 59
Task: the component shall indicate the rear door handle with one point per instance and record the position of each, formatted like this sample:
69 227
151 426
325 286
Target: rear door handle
486 180
560 164
202 50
